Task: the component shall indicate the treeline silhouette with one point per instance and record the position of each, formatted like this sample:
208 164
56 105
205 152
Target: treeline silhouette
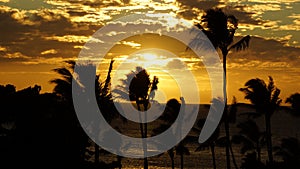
41 130
38 130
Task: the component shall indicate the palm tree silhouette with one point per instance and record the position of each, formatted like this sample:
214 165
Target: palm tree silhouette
63 89
220 29
215 139
265 98
251 138
138 86
63 85
168 118
105 102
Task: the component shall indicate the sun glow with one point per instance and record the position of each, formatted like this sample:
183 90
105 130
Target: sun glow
149 56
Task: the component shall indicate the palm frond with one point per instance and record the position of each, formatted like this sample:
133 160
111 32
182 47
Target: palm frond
271 86
242 44
202 147
221 142
120 94
108 77
65 73
181 149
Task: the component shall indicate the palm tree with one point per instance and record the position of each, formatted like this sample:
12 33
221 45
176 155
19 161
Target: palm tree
220 29
138 86
105 102
63 85
265 98
167 119
215 139
63 88
251 138
294 100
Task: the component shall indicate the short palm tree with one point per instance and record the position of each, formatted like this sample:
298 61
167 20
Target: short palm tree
251 138
167 119
265 98
138 87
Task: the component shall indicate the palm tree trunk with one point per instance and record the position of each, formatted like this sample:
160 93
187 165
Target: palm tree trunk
143 136
181 160
97 153
269 138
226 121
172 162
212 149
171 155
258 152
232 156
119 159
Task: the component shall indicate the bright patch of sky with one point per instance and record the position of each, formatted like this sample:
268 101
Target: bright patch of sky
26 4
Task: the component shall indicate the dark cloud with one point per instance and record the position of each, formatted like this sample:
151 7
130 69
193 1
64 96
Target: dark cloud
96 3
26 33
200 4
190 9
175 64
270 51
188 14
241 15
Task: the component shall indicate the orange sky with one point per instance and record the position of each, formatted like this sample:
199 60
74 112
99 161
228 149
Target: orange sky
37 36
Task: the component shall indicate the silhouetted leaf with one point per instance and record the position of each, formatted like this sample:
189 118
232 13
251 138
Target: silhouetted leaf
242 44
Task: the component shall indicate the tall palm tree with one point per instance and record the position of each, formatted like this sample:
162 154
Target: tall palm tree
220 29
138 86
105 102
265 98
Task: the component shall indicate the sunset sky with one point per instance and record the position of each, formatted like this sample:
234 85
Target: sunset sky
38 35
